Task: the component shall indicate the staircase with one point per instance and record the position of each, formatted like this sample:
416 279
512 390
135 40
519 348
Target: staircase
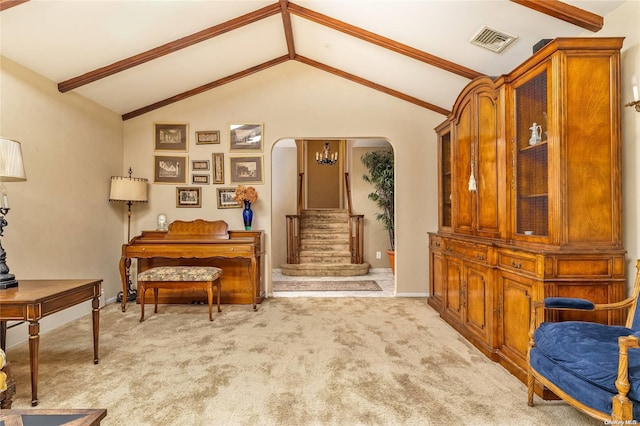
324 246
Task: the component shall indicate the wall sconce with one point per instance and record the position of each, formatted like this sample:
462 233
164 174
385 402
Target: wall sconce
11 170
636 99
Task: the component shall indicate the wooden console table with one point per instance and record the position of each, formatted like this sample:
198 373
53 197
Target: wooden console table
35 299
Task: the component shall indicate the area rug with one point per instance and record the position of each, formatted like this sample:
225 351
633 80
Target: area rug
362 285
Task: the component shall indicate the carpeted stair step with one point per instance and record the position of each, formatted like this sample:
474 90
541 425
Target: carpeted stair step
325 226
322 236
323 270
324 258
324 246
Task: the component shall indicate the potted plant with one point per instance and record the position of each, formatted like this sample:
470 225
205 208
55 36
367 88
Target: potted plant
381 175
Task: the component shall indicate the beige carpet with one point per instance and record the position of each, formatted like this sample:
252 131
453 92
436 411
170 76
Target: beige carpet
302 361
351 285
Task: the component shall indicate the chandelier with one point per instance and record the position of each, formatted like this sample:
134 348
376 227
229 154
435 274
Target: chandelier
326 157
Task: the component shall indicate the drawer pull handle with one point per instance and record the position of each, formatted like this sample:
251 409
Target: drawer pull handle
479 257
449 249
516 265
437 244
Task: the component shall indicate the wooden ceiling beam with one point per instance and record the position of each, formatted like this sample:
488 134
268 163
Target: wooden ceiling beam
565 12
373 85
205 87
6 4
382 41
170 47
288 30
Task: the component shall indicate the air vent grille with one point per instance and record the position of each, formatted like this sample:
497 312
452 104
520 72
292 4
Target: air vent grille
493 39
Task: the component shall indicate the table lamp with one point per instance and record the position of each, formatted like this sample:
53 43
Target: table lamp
130 190
11 170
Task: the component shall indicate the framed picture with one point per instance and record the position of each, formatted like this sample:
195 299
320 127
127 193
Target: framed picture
200 179
246 169
245 137
171 137
206 137
218 167
170 169
200 165
188 197
225 198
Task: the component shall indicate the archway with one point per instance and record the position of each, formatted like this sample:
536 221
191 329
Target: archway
286 159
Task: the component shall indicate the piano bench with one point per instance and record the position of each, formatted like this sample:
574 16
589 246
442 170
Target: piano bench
179 277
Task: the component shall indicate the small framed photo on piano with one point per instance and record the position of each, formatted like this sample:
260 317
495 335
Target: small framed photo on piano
189 196
225 198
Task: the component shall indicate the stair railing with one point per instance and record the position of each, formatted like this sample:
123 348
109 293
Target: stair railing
293 238
356 227
300 193
293 226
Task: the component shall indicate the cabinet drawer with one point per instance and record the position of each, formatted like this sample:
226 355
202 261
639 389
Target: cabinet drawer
435 242
520 262
470 251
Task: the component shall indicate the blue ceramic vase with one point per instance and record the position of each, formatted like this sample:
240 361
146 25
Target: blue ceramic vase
247 215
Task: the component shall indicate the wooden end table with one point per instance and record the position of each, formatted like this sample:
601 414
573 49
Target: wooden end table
35 299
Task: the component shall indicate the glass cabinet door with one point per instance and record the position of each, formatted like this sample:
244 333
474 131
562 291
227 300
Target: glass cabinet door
531 154
445 179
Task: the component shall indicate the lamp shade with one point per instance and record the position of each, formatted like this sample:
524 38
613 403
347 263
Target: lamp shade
11 166
128 189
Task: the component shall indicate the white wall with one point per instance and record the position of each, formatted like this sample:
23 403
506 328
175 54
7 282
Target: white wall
624 22
61 224
294 100
284 189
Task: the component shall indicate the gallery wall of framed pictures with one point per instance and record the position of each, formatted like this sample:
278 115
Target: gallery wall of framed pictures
242 165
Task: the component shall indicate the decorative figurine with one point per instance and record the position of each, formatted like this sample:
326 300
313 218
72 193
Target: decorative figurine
162 222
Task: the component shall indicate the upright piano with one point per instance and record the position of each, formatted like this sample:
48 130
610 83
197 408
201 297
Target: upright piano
200 243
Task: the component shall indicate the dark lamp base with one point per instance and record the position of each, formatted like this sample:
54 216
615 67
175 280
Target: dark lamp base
8 281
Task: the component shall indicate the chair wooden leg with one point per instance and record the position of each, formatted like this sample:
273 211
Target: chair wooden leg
210 300
141 290
155 299
531 381
219 291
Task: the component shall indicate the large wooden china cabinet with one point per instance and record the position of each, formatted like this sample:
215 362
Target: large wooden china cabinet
530 196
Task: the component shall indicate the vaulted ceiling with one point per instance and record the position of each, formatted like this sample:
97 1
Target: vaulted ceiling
136 56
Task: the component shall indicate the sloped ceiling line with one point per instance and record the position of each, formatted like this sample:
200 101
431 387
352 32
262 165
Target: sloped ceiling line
205 87
565 12
285 8
554 8
372 85
288 29
167 48
6 4
383 42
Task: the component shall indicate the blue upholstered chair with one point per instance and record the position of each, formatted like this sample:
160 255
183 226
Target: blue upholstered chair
593 367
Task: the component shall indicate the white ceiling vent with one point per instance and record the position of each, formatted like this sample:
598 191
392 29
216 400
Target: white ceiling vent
492 39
